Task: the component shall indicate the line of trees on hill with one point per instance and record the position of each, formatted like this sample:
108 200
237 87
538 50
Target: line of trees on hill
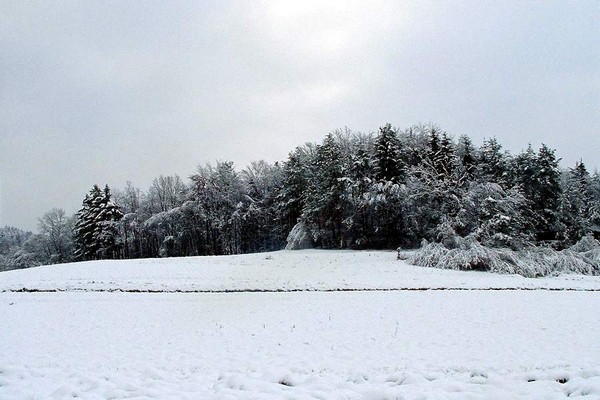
379 190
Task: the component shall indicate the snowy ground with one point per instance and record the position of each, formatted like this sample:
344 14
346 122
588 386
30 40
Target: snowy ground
277 271
401 344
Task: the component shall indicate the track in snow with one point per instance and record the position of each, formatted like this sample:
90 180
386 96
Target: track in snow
406 289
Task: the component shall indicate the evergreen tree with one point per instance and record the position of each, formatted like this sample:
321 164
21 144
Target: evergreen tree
546 193
362 171
466 155
492 163
324 208
108 216
388 163
433 199
96 231
523 172
595 202
353 190
292 195
435 190
359 182
414 143
445 161
87 245
503 217
434 145
576 203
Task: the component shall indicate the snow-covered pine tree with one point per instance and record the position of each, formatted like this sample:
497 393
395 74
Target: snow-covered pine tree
414 143
360 179
362 171
387 159
107 220
465 153
435 190
595 203
432 199
523 171
324 208
546 193
492 163
433 152
85 228
576 203
96 231
293 192
503 217
446 161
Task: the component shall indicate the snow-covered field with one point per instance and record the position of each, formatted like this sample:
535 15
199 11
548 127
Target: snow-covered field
276 271
97 337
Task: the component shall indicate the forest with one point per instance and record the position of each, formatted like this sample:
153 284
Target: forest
382 190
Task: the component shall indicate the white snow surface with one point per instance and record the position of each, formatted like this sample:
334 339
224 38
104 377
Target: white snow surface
94 340
277 271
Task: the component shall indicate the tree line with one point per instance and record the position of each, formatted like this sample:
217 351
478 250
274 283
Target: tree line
353 190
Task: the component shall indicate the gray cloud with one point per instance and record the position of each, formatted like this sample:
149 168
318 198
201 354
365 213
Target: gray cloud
104 92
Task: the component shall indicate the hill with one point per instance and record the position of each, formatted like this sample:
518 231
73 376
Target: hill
298 325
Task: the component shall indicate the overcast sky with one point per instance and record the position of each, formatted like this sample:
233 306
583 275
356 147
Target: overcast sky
110 91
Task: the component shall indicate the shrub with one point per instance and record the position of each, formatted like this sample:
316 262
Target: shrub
469 254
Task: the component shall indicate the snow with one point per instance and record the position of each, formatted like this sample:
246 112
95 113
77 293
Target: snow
299 238
400 344
276 271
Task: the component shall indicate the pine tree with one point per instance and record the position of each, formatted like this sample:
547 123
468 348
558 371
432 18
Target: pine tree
595 202
361 176
546 194
504 217
492 163
466 154
414 143
388 162
362 170
445 161
87 245
108 216
523 172
292 195
433 152
96 231
324 208
576 203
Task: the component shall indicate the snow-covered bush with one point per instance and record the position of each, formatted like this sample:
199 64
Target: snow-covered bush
299 238
589 248
468 254
586 244
167 249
